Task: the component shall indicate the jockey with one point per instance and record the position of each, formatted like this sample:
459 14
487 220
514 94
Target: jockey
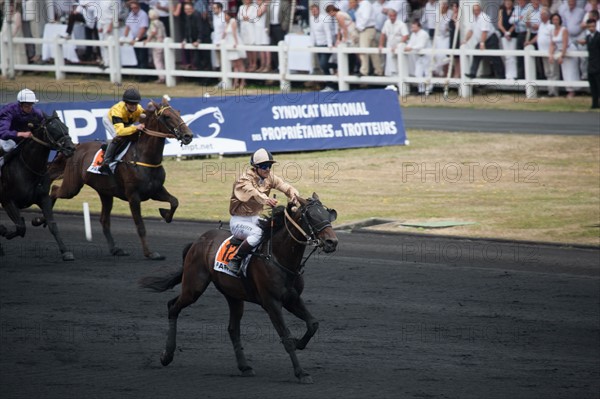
250 193
15 119
121 122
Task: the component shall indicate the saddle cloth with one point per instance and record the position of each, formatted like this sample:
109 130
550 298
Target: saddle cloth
226 251
99 158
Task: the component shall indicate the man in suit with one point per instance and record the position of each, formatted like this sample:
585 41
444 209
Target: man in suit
280 17
593 47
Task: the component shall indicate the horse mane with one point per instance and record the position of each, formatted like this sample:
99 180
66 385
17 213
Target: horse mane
277 219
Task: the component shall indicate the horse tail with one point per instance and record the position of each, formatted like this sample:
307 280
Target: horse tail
57 167
162 283
166 282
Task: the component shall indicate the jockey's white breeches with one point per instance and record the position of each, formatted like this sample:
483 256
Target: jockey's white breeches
246 228
8 145
110 128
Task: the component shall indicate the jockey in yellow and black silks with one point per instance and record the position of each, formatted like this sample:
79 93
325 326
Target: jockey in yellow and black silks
122 121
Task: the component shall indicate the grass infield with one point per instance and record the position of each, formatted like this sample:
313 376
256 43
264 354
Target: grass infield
540 188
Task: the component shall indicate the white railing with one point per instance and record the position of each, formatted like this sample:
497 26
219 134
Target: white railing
402 80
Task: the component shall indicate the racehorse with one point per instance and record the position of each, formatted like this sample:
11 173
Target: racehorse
25 181
138 177
274 277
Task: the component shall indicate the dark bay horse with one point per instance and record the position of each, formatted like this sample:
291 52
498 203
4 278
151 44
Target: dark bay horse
25 181
138 177
274 277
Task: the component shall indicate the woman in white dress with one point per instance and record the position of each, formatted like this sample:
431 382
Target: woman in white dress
559 46
19 51
247 17
261 37
232 40
442 41
347 32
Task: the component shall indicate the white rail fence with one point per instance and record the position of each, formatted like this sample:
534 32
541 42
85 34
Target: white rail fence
464 86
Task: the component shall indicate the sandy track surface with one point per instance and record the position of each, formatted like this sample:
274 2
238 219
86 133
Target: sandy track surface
401 317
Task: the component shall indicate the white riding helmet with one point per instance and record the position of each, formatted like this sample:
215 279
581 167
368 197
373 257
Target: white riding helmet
26 96
261 156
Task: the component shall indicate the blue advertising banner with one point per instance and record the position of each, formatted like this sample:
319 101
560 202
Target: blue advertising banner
280 122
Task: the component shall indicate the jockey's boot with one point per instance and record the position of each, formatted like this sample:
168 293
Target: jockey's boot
109 156
235 263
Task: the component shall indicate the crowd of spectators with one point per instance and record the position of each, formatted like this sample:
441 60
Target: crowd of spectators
553 26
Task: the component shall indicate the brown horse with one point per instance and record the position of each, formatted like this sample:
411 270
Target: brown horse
274 277
139 176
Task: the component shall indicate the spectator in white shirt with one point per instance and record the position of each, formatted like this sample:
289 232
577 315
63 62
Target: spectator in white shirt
321 35
393 33
430 17
419 40
401 7
365 24
484 33
108 9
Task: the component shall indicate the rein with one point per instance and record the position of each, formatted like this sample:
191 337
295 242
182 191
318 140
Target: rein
155 133
310 241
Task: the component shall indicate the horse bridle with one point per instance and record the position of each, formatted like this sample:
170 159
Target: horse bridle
174 131
48 140
311 239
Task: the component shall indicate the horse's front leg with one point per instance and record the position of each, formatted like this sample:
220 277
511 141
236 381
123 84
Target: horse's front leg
136 212
14 214
297 307
45 205
289 343
164 196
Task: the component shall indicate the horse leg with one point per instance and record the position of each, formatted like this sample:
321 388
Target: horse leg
46 206
236 311
273 308
136 212
164 196
107 204
14 214
193 285
298 309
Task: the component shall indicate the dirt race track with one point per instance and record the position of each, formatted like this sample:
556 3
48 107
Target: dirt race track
401 317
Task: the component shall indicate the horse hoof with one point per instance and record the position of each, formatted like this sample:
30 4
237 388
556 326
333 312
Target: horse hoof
68 256
166 214
118 252
155 256
305 379
166 358
38 222
249 372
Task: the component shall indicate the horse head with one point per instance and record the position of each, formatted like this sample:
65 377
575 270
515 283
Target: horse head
53 133
169 121
315 218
